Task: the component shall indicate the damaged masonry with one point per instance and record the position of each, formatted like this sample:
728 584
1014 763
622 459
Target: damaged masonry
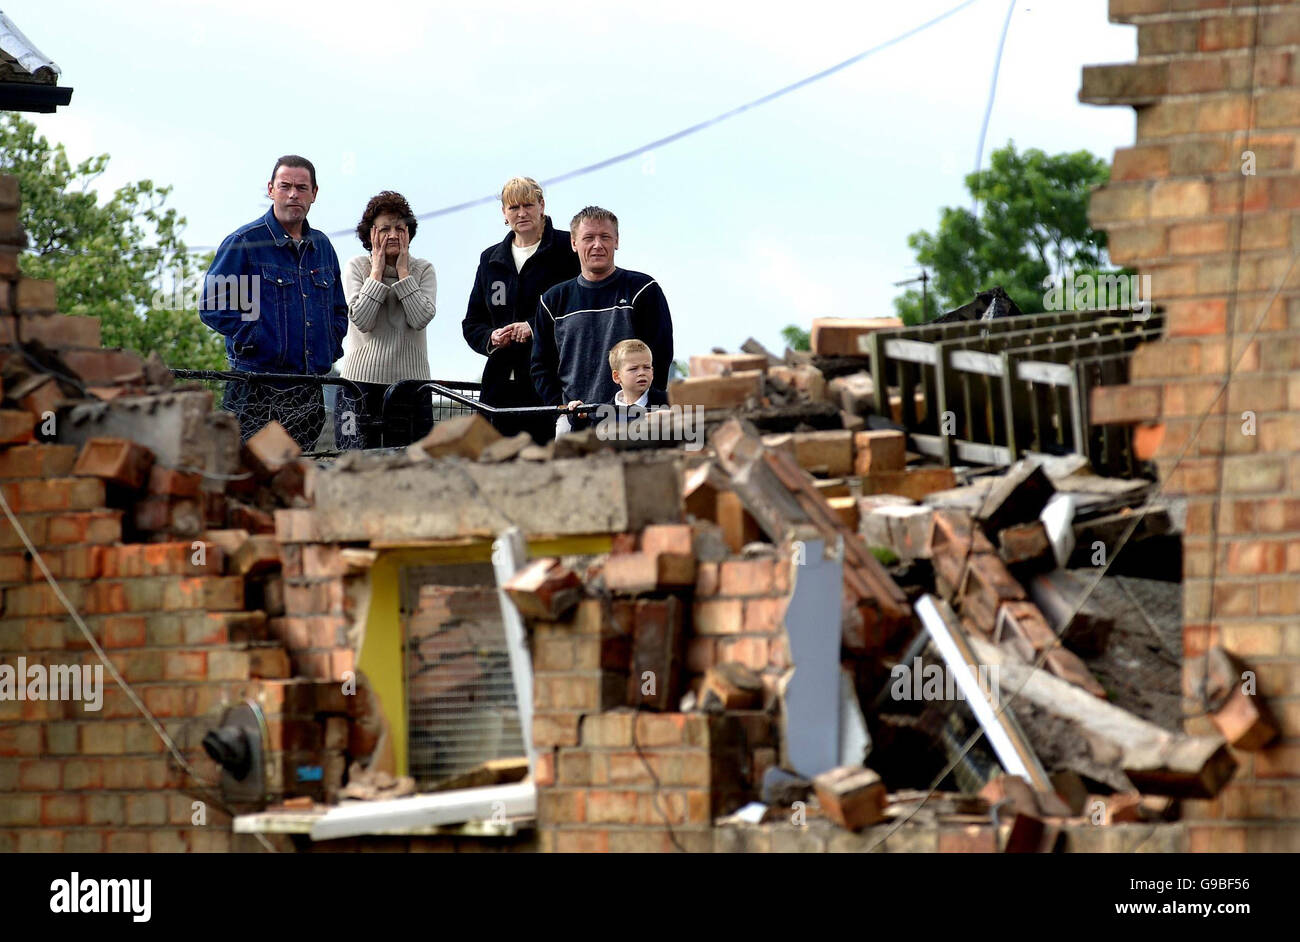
626 644
609 643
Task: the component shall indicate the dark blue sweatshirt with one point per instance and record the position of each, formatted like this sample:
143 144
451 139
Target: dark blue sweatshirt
579 321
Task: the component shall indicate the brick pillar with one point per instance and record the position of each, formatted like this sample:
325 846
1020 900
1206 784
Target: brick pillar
1215 79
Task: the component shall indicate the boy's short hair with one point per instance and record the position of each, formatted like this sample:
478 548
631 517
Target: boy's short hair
623 348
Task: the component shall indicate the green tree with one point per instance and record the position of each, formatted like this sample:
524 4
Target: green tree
1032 225
796 338
120 260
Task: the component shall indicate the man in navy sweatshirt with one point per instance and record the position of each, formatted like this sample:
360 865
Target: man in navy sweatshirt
580 320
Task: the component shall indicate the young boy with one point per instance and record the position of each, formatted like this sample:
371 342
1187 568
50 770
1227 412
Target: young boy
632 365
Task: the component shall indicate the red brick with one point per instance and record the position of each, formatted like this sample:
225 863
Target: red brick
972 839
322 561
582 842
271 449
752 652
81 774
37 461
666 729
668 538
722 616
79 562
96 527
544 769
268 662
185 665
101 738
125 631
764 616
554 729
55 494
1124 404
14 568
170 482
631 573
748 577
561 806
611 807
44 634
115 460
717 392
16 426
342 663
707 579
881 450
700 654
40 775
127 842
62 809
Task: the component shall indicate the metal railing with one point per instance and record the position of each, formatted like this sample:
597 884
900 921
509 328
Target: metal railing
447 399
379 420
986 392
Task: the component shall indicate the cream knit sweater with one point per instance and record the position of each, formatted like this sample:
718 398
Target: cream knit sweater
386 322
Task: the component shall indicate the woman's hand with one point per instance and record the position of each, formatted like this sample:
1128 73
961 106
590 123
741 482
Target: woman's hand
377 259
501 336
403 254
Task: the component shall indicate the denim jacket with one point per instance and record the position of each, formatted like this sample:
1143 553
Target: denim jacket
280 308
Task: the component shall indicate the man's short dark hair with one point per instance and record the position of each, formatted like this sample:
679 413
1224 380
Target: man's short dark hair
293 160
592 214
386 201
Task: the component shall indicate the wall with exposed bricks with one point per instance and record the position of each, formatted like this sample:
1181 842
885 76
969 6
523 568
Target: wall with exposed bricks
160 563
1215 79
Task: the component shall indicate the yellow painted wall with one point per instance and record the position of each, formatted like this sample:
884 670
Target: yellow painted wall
381 652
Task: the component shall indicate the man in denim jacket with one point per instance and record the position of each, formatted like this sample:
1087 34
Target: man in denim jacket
274 291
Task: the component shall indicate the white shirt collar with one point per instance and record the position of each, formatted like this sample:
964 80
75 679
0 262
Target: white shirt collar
621 400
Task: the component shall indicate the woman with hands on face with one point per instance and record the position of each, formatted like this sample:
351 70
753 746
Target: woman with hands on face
392 298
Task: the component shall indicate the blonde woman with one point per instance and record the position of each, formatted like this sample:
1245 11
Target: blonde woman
503 302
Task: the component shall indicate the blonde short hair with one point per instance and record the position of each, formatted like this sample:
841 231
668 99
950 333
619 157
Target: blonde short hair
521 190
623 348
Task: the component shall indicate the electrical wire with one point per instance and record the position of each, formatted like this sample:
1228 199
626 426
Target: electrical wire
686 131
131 695
988 107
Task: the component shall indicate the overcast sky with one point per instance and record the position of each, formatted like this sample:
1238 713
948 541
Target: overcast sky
796 209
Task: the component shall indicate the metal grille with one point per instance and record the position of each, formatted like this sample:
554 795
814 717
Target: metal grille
984 392
461 706
444 408
284 396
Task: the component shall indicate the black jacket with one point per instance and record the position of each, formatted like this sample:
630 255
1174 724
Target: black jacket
504 296
579 322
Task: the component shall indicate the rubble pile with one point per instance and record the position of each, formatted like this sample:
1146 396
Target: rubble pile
765 623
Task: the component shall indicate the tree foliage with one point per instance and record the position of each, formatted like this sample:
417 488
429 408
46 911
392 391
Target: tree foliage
796 338
120 259
1032 225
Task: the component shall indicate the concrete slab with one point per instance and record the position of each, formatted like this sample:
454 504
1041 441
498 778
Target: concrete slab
393 500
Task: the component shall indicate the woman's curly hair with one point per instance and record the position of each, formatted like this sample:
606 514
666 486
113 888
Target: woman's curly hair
386 202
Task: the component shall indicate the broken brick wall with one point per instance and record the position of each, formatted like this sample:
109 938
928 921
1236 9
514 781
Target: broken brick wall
177 631
138 538
1206 203
619 768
